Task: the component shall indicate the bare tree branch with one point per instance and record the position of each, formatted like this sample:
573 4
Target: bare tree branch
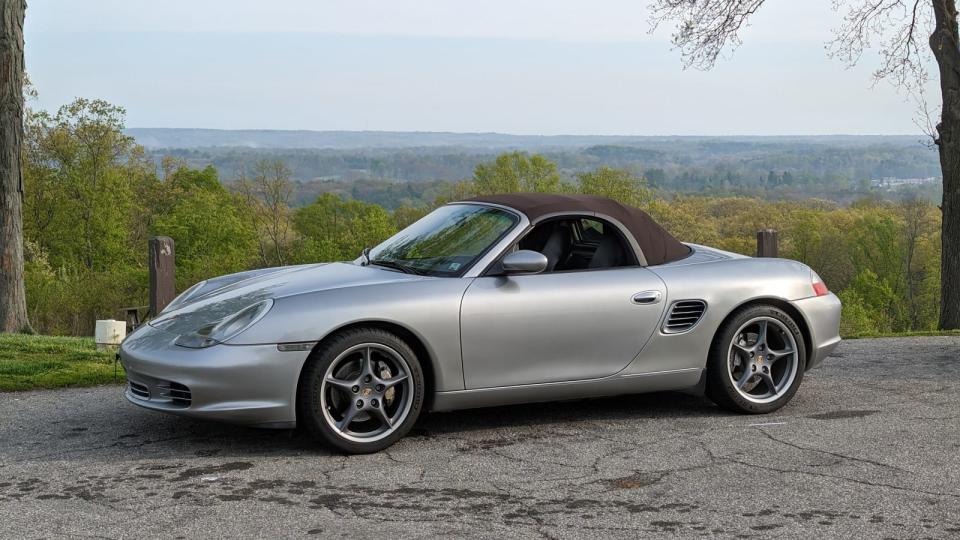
705 27
924 120
898 28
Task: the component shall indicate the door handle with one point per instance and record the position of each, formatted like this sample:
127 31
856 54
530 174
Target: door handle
647 297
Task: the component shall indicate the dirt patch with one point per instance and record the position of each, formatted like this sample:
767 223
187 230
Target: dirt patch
635 481
213 469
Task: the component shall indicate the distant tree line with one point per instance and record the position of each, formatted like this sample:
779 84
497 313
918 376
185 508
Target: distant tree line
771 170
94 197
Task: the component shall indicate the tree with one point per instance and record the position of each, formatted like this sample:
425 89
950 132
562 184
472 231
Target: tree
13 304
705 29
516 171
82 193
334 229
617 184
917 221
92 198
205 221
267 194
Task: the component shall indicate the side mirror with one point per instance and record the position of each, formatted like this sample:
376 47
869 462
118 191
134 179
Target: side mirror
524 262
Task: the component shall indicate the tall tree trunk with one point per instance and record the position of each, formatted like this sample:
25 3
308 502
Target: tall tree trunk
944 42
13 305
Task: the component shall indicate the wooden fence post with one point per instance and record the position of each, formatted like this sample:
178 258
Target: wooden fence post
162 274
767 243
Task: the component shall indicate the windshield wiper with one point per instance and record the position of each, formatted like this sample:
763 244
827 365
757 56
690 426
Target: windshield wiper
396 265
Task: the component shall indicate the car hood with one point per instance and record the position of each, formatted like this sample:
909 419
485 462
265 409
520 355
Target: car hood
221 297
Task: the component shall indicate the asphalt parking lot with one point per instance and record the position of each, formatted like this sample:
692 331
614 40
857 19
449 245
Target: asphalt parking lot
869 447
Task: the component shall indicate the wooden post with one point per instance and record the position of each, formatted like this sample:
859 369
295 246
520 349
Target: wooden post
162 274
767 243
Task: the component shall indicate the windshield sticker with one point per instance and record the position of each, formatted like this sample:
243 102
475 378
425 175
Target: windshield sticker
454 266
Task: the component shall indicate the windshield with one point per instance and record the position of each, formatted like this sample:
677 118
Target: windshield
446 241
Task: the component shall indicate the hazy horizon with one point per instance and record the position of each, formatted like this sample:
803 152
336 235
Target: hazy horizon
536 68
545 135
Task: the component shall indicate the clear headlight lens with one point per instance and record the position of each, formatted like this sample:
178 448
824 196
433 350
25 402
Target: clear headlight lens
224 329
183 297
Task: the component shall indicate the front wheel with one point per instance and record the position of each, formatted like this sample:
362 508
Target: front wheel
361 391
756 361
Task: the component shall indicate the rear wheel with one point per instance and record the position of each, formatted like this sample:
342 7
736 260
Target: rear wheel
756 361
361 391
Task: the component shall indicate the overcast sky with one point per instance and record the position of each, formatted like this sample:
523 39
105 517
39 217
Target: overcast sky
511 66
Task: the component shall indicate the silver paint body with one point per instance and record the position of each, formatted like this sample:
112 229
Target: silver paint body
488 340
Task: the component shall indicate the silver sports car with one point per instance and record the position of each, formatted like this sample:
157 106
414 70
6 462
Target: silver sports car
488 301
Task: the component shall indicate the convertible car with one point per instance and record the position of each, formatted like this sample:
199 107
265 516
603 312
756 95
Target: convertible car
488 301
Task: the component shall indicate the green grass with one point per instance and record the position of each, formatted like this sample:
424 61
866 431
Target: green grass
905 334
31 362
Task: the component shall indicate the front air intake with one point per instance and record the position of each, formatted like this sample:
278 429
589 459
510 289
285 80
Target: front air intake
684 315
177 393
141 391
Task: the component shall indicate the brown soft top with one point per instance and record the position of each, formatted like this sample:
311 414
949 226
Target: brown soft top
657 244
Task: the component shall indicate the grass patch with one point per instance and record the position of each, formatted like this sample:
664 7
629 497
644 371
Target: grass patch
918 333
31 362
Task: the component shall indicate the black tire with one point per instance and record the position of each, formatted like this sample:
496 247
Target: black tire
309 411
720 386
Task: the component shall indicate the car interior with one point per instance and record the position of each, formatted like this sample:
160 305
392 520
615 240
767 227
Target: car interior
578 243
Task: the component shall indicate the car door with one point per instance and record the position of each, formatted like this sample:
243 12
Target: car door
562 326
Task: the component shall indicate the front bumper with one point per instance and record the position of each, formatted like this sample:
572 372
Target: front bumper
822 315
252 385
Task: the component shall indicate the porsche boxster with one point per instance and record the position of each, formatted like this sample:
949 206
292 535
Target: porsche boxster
489 301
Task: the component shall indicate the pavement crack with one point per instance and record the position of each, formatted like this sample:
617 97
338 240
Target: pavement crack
846 478
834 454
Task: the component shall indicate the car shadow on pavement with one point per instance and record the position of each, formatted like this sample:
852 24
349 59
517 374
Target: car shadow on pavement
145 434
637 407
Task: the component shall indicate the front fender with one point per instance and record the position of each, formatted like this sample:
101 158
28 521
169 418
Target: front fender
428 308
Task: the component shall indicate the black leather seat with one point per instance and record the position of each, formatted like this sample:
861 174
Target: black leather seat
609 253
556 246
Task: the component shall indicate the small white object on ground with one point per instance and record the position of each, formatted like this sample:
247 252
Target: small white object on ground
109 333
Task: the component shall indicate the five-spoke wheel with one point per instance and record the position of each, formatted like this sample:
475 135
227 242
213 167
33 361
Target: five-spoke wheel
757 360
361 391
763 359
366 392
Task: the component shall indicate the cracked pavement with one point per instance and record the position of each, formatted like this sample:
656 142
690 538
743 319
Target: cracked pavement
869 447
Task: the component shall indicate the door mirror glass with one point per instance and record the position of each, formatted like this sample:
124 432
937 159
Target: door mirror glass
524 261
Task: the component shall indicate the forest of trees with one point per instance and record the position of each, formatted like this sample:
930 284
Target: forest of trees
94 197
774 168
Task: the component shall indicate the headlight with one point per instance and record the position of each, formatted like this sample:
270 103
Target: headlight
183 297
224 329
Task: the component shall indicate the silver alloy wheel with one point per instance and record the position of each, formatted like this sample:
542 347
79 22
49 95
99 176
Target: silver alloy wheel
762 359
366 392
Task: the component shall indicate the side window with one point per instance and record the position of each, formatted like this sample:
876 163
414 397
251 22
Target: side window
580 243
592 230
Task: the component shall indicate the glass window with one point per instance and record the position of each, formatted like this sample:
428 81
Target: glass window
446 241
591 230
577 243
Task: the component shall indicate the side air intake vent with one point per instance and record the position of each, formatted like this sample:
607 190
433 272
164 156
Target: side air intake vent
683 315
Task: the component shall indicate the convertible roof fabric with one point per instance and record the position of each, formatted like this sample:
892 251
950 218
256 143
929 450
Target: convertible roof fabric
658 246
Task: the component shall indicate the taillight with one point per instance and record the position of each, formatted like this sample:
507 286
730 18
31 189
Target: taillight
819 287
